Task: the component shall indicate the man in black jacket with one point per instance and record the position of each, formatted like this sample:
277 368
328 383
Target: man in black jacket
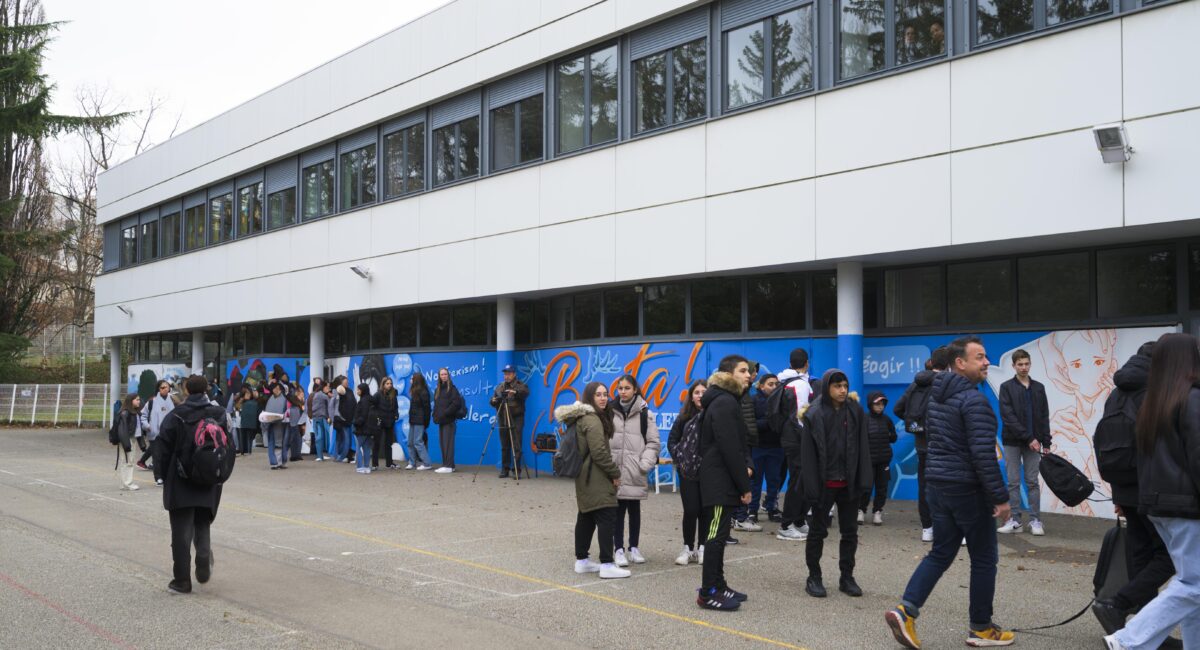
192 507
509 401
724 475
912 407
1025 414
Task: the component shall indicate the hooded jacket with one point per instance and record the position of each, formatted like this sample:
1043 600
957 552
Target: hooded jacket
1169 476
962 438
446 404
419 409
1130 382
153 414
723 435
178 493
881 432
633 456
594 489
800 386
344 407
362 411
1012 414
815 439
767 438
386 409
913 408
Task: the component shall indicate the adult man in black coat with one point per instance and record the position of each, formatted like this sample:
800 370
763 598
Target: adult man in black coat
192 507
509 401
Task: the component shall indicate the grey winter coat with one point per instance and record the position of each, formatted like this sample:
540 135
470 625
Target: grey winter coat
633 456
320 406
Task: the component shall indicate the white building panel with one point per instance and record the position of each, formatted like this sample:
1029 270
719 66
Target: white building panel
508 202
496 22
448 80
577 253
662 169
447 272
1161 49
395 227
350 236
309 245
633 12
506 263
762 147
762 227
344 290
448 34
447 215
579 186
643 235
586 25
396 279
506 56
1160 180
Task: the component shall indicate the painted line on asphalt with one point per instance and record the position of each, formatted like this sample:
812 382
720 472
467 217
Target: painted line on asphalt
91 627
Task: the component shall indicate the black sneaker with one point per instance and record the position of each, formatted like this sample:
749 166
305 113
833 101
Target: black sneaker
177 587
733 594
775 516
815 588
714 599
731 541
204 570
848 586
503 473
1111 617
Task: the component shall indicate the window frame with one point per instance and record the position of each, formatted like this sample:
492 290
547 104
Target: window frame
586 55
669 89
217 231
360 167
767 90
267 227
128 246
262 216
175 217
405 135
151 240
457 149
1040 24
890 19
303 191
517 112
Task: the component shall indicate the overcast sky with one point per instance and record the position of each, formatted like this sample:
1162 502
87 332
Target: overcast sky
205 57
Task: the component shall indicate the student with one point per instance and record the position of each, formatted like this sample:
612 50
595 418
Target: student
695 527
1025 415
297 419
835 466
767 455
385 410
343 416
796 381
1168 468
635 456
881 433
598 480
419 412
153 415
248 408
277 430
318 413
744 519
363 433
724 475
447 402
912 408
128 428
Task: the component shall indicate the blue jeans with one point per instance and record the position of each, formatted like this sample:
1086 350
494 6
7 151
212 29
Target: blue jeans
342 433
320 436
959 511
417 453
768 464
362 458
1179 603
282 432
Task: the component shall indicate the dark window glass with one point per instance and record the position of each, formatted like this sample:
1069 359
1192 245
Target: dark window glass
468 148
650 92
471 325
1053 287
920 30
358 177
871 289
148 240
717 306
237 338
523 322
663 309
669 87
603 84
913 297
404 328
250 210
979 292
435 326
744 50
142 349
1194 277
824 301
129 246
273 334
168 347
1061 11
782 43
381 330
517 133
862 37
335 336
296 337
572 80
171 234
791 47
997 19
775 303
362 332
531 120
560 318
587 99
621 313
220 218
1135 282
318 190
587 316
254 339
444 143
541 321
689 76
504 136
193 223
404 159
183 348
456 151
281 208
153 351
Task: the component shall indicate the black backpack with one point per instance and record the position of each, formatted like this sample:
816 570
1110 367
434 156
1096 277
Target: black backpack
915 408
203 454
1112 569
568 460
1065 480
780 409
113 437
1115 439
686 454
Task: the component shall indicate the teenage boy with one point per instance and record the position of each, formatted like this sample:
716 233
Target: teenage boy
796 381
912 407
724 475
1026 417
767 454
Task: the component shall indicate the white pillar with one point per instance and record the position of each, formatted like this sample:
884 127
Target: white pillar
316 349
114 367
850 321
506 329
197 352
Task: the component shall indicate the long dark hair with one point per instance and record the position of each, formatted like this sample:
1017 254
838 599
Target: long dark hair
589 398
689 409
127 405
418 384
632 381
1174 366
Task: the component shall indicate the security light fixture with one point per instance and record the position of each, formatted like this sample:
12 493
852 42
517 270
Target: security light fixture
362 272
125 310
1112 142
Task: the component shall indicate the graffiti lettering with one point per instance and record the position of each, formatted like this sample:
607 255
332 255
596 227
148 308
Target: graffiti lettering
567 374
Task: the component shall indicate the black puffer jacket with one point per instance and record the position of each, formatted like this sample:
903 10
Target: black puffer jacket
880 432
912 408
746 403
362 411
767 438
815 438
178 493
962 438
419 410
1012 414
446 404
346 407
723 476
1130 382
1169 476
385 411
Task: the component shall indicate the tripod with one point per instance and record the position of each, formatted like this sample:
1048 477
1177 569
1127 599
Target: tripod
511 443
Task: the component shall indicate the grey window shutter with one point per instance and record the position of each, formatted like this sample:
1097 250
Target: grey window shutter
519 86
281 175
454 110
149 216
412 119
112 245
194 199
358 140
251 178
736 13
219 189
170 207
669 33
314 156
129 222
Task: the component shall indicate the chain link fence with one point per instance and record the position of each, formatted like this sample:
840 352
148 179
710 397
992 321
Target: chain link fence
77 405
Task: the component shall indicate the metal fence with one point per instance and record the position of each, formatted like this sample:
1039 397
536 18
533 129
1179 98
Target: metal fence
56 404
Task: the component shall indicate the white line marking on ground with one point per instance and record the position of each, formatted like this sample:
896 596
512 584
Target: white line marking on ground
593 583
433 580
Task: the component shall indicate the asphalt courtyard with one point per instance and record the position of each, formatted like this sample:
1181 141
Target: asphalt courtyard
321 557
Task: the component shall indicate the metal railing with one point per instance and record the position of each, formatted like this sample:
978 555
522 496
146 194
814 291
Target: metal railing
56 404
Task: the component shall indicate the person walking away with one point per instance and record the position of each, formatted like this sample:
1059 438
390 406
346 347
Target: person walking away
881 433
597 482
724 475
798 386
277 430
321 402
343 417
129 427
1025 416
912 408
695 527
447 404
635 446
363 431
1168 461
767 455
192 507
966 493
509 401
385 410
420 410
248 408
153 415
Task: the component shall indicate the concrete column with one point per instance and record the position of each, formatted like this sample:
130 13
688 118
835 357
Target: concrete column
316 349
197 352
117 387
506 330
850 322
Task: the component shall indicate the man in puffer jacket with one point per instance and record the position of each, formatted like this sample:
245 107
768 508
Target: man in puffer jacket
966 493
743 519
881 433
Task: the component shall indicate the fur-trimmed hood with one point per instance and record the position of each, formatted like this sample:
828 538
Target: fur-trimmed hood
727 382
572 412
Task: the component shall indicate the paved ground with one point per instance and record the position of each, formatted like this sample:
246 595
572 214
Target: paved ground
319 556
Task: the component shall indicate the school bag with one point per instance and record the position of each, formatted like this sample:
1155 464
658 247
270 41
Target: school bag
113 437
1112 570
686 454
780 409
1115 439
203 456
568 459
461 414
1065 480
914 412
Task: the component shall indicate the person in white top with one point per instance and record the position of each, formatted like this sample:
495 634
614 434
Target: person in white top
796 381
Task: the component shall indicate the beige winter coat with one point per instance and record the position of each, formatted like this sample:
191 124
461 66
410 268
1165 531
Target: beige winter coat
634 457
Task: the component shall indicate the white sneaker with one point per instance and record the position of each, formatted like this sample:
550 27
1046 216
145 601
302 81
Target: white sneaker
926 534
444 470
685 556
1011 526
1036 528
619 558
587 566
410 466
636 556
862 517
317 460
1112 643
422 468
964 542
878 518
609 571
700 555
746 526
131 487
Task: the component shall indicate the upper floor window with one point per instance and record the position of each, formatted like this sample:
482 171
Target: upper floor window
129 246
171 234
281 208
1000 19
404 160
193 227
250 209
358 177
318 190
456 151
769 58
671 87
587 99
920 30
517 133
220 218
149 242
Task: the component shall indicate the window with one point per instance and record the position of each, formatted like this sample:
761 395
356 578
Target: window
1062 11
1194 277
149 242
471 325
914 297
775 303
237 340
404 159
920 30
541 321
587 99
220 218
250 207
717 306
171 234
335 337
404 328
670 87
663 309
129 246
1053 287
862 40
296 336
358 177
318 190
979 292
517 133
273 334
1135 282
281 208
360 330
254 339
621 313
824 301
381 330
193 225
587 316
183 348
997 19
435 326
523 323
153 350
456 151
789 69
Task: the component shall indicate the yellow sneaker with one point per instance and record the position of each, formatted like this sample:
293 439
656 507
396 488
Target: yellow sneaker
991 637
904 627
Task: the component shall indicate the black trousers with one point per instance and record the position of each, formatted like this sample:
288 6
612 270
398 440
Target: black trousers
818 530
695 524
149 455
880 477
794 505
1150 566
599 523
511 444
922 504
246 440
719 520
634 508
383 448
188 526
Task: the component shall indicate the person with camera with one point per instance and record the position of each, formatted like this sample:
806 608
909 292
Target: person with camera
509 401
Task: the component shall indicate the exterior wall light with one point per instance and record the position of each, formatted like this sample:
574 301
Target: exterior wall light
362 272
125 310
1112 142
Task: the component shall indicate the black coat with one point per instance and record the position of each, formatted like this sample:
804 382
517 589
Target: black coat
128 425
1169 476
362 412
180 422
749 417
767 439
1130 382
1012 414
446 405
962 438
881 433
385 410
723 475
419 407
347 404
912 405
814 440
